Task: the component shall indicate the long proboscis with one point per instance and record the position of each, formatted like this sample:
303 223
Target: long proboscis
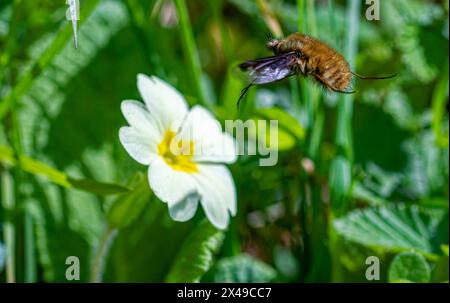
372 78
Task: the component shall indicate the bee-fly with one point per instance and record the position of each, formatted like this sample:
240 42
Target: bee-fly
304 55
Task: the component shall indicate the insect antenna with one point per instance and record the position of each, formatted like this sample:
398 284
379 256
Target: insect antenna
243 93
372 78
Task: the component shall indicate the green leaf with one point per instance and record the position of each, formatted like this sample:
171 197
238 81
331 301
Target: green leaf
426 173
393 228
129 206
440 97
149 245
409 266
38 168
285 120
445 249
340 180
191 51
196 256
67 223
360 192
441 267
98 188
243 269
273 139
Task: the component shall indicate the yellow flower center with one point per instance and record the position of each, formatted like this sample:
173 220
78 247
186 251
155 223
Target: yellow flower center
177 155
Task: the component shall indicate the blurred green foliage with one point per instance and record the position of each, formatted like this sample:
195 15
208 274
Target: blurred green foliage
358 176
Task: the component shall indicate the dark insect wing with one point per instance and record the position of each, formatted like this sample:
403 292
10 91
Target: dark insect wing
270 69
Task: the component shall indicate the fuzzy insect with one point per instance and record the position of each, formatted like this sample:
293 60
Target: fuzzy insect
304 55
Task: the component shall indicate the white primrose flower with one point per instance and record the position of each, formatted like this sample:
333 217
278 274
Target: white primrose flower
185 151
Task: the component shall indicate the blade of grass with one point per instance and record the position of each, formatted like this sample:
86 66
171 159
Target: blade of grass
11 41
332 21
301 15
23 251
139 24
345 109
309 93
312 104
9 230
298 88
25 235
316 135
191 52
344 158
216 7
311 13
30 259
341 166
269 18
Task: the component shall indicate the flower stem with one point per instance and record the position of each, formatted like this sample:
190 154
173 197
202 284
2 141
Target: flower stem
191 52
98 264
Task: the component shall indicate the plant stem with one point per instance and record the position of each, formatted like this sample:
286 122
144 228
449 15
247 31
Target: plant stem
22 233
301 15
303 85
191 52
316 135
312 24
30 259
98 264
9 231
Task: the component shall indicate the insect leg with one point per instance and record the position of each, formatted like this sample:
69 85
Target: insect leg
243 93
327 84
343 92
268 36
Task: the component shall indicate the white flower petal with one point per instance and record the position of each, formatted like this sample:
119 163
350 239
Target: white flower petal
210 143
138 146
169 185
218 193
138 117
185 209
165 104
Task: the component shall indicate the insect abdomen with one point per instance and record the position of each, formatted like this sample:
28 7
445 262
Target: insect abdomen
332 71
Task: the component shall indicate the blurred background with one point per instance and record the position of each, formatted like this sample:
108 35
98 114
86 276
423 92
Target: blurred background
358 175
